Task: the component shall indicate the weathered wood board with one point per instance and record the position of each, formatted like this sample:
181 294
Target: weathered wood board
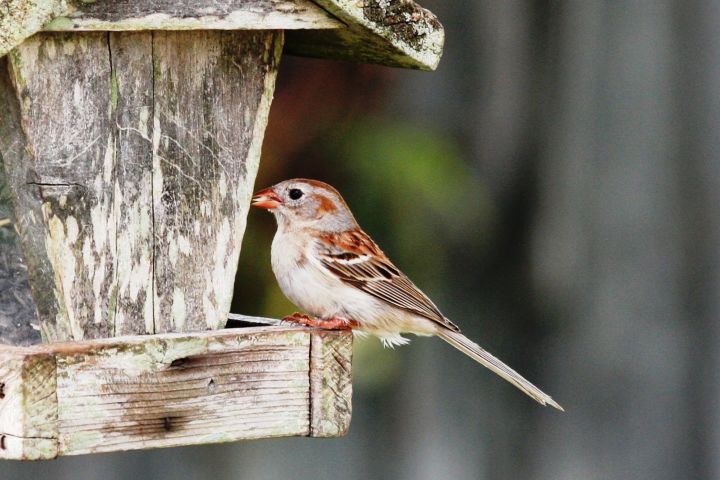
125 15
389 32
398 33
173 389
131 158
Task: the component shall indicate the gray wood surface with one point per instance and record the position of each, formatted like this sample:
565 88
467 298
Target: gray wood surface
398 33
390 32
132 62
22 18
212 96
167 390
131 158
18 317
28 405
54 153
124 15
330 383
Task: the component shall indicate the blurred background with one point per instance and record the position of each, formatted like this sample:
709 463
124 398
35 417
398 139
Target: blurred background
555 188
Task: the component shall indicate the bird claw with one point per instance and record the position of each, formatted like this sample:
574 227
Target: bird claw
299 318
335 323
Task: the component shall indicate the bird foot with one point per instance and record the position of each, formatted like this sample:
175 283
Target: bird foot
335 323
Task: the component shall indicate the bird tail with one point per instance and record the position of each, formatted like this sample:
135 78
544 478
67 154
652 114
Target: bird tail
474 351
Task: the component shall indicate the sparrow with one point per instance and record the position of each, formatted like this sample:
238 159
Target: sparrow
330 268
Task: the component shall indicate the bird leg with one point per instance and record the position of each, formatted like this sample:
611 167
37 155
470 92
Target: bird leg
335 323
299 318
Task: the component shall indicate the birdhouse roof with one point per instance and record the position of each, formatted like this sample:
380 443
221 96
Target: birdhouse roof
390 32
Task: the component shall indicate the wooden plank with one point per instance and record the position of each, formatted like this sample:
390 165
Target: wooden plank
124 15
330 383
131 57
131 158
389 32
63 157
173 389
165 391
28 406
212 97
31 233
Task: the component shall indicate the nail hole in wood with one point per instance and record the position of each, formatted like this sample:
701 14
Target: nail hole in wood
2 442
2 390
167 424
211 386
179 362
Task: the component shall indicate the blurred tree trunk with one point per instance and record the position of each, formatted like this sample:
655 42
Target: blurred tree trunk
615 256
484 99
699 88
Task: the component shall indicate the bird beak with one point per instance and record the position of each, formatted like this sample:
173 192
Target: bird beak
267 199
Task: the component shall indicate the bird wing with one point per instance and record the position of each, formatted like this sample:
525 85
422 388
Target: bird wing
354 258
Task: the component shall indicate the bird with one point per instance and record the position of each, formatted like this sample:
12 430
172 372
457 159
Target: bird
329 267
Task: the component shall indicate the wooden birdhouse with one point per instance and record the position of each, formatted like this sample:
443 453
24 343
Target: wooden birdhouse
130 137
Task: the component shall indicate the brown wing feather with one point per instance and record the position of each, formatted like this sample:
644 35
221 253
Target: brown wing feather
358 261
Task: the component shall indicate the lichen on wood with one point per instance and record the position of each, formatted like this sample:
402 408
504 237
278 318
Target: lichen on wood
390 32
20 19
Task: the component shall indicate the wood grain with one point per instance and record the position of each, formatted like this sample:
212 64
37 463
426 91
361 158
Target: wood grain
131 158
173 389
132 109
330 383
64 184
124 15
212 96
389 32
398 33
28 406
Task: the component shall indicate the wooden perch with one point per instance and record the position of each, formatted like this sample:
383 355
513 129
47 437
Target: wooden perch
168 390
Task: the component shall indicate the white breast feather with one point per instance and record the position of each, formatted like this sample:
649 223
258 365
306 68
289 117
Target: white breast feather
307 284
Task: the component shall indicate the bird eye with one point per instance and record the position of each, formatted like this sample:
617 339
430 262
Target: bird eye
295 193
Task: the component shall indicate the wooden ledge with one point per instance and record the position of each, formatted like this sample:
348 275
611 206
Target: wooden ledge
170 390
397 33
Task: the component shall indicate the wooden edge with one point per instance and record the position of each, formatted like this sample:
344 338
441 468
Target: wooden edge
79 347
28 405
232 15
397 33
173 389
330 383
23 18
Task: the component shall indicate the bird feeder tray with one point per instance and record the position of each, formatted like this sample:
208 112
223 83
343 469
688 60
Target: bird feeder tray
165 390
130 137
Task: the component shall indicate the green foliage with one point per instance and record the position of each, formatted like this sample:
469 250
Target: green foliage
414 192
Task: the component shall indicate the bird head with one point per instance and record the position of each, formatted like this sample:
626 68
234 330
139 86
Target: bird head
301 203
